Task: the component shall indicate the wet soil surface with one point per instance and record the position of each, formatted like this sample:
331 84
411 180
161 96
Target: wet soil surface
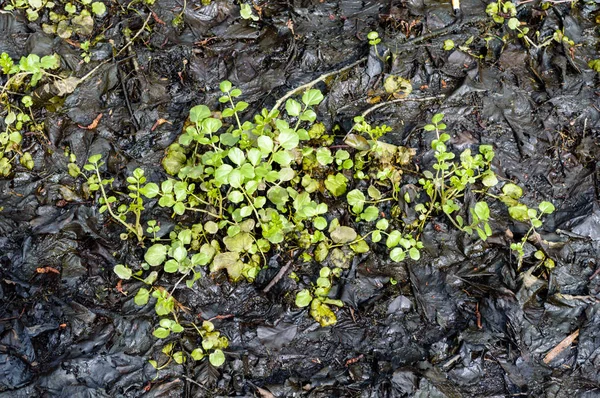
461 322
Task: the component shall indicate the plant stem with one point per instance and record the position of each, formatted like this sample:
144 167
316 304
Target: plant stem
126 225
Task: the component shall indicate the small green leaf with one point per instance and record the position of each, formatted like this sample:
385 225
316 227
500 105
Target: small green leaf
197 354
357 142
225 86
161 333
199 113
171 266
142 296
265 144
149 190
320 223
236 155
518 212
216 358
413 252
293 107
343 234
437 118
382 224
246 13
98 8
156 254
370 214
356 199
482 211
312 97
546 207
303 298
489 179
94 158
376 236
288 139
393 239
122 271
397 254
513 191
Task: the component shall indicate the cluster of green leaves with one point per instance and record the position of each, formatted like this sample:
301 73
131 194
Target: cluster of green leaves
317 297
519 211
501 10
264 184
16 105
247 189
449 181
452 179
212 345
505 11
247 13
209 342
66 18
120 211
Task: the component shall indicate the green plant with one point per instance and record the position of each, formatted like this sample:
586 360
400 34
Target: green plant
317 299
249 188
17 104
137 188
452 179
448 45
66 17
247 13
501 10
519 211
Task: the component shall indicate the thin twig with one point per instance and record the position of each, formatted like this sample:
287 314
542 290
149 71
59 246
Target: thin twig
278 277
126 46
313 82
407 99
567 341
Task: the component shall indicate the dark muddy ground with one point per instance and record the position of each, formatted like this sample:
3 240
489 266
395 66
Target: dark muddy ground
462 322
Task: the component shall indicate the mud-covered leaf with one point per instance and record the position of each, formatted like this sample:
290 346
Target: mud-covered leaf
343 234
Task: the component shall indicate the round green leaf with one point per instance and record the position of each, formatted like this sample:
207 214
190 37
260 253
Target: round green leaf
156 254
142 296
320 223
288 139
217 358
197 354
343 234
293 107
199 113
161 333
98 8
312 97
122 271
303 298
413 252
382 224
393 239
546 207
397 254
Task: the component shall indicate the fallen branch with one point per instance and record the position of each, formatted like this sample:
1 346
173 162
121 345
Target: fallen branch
313 82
